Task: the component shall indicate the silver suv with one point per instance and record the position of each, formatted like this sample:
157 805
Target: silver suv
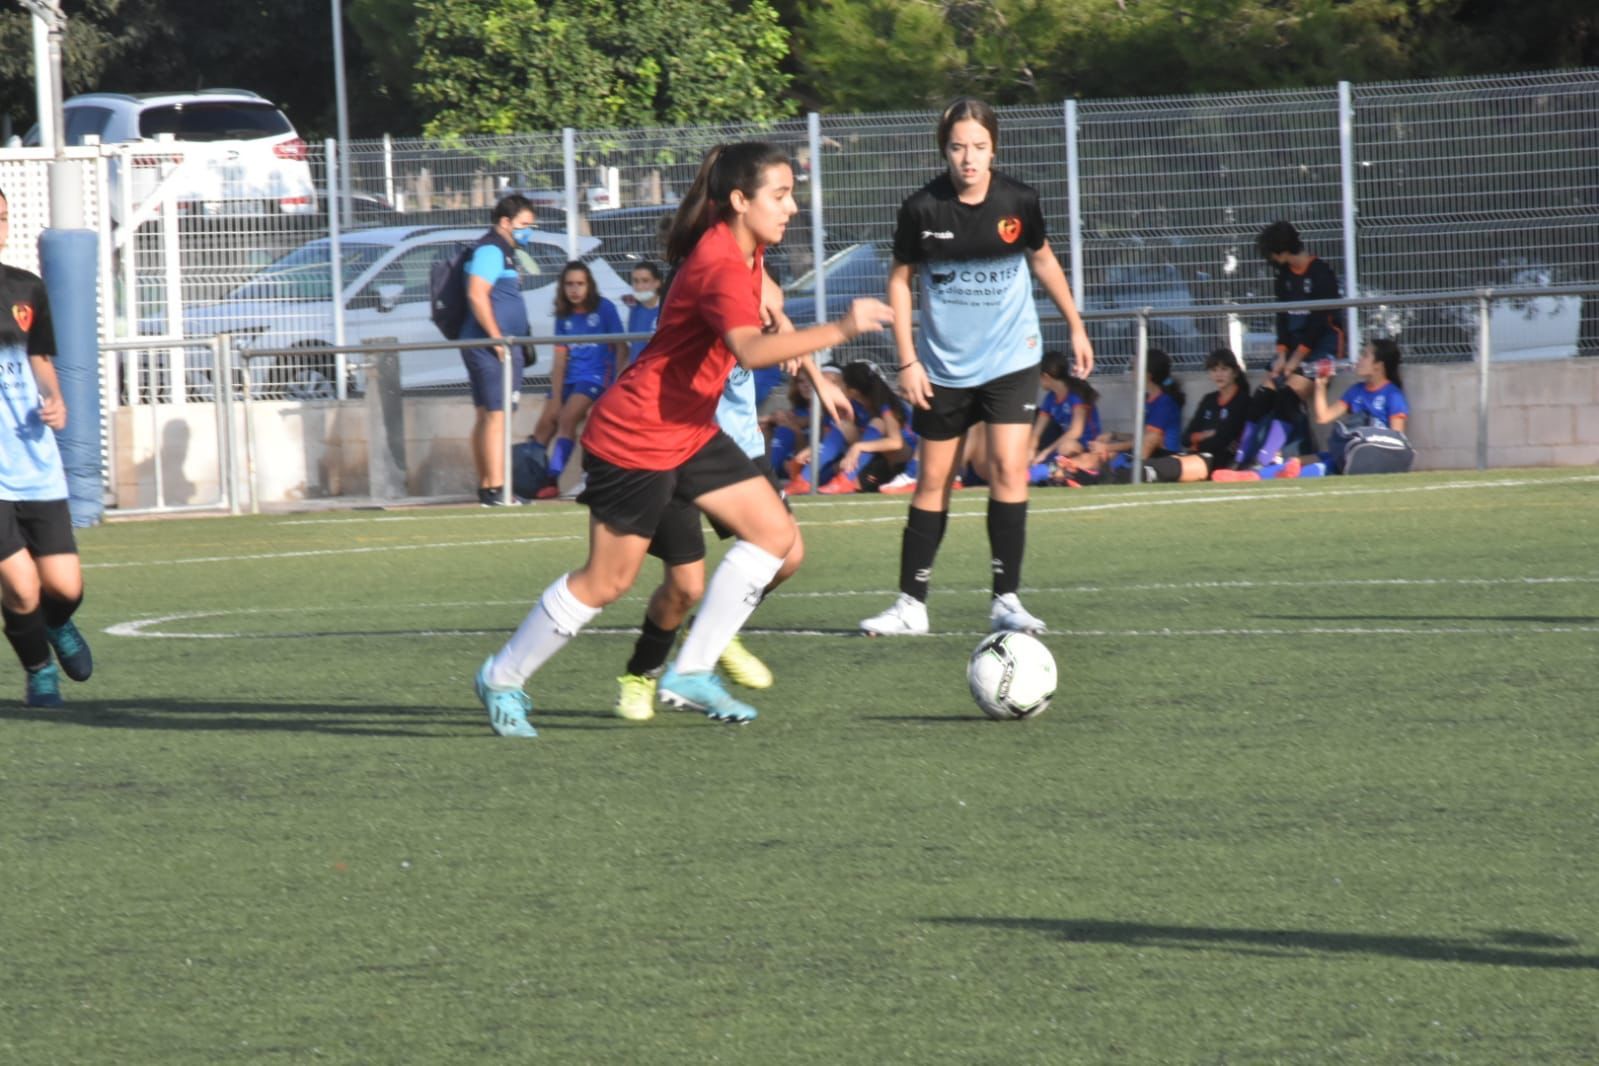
216 151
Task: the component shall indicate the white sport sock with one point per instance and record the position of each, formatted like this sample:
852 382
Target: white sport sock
734 592
553 621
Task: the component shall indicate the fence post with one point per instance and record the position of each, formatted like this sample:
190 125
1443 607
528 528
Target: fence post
1140 372
336 265
1484 352
569 153
1074 203
388 173
227 449
813 129
507 496
171 253
1346 160
249 442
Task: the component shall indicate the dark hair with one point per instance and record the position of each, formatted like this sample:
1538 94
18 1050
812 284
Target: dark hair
726 167
1158 366
864 379
511 205
968 107
1277 238
1386 351
1057 366
563 306
1225 357
796 393
646 264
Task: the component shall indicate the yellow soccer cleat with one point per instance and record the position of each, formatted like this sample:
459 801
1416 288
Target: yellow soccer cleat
636 699
742 665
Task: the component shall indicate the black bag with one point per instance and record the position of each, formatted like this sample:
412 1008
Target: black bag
447 291
1371 449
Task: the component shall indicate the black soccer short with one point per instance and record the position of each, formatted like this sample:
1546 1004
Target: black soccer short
44 527
680 538
1007 400
636 501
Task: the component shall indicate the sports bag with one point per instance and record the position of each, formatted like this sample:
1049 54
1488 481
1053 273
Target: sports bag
1371 449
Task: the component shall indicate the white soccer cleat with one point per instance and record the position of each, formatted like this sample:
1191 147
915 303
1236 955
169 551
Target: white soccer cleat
1007 613
906 618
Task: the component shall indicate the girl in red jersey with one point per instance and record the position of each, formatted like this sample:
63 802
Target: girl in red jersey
652 438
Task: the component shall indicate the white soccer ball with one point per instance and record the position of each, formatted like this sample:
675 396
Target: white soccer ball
1012 675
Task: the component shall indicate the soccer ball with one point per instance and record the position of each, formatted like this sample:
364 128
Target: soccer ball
1012 675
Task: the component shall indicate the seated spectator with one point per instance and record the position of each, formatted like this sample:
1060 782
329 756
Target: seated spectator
881 442
790 426
832 446
1163 419
1068 417
581 371
1378 400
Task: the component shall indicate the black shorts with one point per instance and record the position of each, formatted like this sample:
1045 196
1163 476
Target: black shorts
636 501
680 538
1008 400
44 527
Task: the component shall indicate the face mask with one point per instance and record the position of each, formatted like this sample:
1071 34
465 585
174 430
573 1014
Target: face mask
523 236
645 293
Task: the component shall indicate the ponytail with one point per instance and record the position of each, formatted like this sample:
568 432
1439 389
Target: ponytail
1386 351
1158 366
726 167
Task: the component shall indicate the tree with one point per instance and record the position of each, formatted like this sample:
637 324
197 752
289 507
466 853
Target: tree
503 66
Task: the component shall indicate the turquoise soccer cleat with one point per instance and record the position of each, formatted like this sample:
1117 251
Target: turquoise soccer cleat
44 687
72 651
702 692
507 707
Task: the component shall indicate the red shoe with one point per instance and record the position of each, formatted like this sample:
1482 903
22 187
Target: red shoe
1291 467
1238 475
797 486
841 483
548 492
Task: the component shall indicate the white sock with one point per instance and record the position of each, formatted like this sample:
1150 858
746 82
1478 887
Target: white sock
553 621
733 594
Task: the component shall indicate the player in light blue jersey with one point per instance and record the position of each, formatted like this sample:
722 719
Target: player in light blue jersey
679 541
973 240
41 580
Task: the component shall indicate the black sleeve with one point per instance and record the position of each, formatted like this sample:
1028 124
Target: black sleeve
1033 222
1323 286
908 234
42 333
1196 423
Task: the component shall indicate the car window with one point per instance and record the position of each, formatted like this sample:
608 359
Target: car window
204 121
86 122
411 270
303 274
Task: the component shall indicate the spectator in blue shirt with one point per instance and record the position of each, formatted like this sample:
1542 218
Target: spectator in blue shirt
1378 399
495 310
581 371
644 306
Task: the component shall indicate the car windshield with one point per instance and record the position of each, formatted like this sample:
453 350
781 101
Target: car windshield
214 121
304 274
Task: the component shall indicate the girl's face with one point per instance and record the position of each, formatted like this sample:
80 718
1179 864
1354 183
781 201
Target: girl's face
645 285
970 153
1221 376
575 287
765 215
807 390
1051 383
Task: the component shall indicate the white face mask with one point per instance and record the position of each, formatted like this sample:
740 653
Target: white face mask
645 294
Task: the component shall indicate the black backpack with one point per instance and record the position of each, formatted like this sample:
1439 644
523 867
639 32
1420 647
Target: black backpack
447 290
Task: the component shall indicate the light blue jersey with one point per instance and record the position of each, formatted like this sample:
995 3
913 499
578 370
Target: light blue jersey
30 464
736 413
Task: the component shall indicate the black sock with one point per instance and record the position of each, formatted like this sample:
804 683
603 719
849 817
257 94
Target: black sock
924 531
57 611
1007 539
654 644
28 637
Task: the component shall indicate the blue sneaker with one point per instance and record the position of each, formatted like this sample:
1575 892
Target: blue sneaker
702 692
44 687
507 707
72 650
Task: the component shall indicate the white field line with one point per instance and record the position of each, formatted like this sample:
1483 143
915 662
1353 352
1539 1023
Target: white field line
1164 500
149 627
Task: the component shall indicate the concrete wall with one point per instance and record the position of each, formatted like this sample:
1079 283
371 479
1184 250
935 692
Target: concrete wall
1543 414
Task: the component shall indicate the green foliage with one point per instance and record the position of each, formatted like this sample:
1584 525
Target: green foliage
504 66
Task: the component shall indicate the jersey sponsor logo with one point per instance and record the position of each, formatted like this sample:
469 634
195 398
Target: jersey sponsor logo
941 278
23 315
1010 229
938 234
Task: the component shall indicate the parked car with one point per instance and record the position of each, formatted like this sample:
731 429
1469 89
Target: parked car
219 151
854 271
385 276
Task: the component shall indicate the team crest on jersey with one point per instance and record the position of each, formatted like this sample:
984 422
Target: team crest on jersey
23 314
1010 228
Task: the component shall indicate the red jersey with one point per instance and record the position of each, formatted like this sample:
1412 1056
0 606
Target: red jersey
663 408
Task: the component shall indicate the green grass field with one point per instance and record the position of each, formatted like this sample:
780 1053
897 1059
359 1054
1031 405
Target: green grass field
1318 787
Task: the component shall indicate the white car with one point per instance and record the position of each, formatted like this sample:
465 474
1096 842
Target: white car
386 300
213 151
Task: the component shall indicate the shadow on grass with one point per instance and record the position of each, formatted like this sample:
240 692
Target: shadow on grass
335 719
1501 947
